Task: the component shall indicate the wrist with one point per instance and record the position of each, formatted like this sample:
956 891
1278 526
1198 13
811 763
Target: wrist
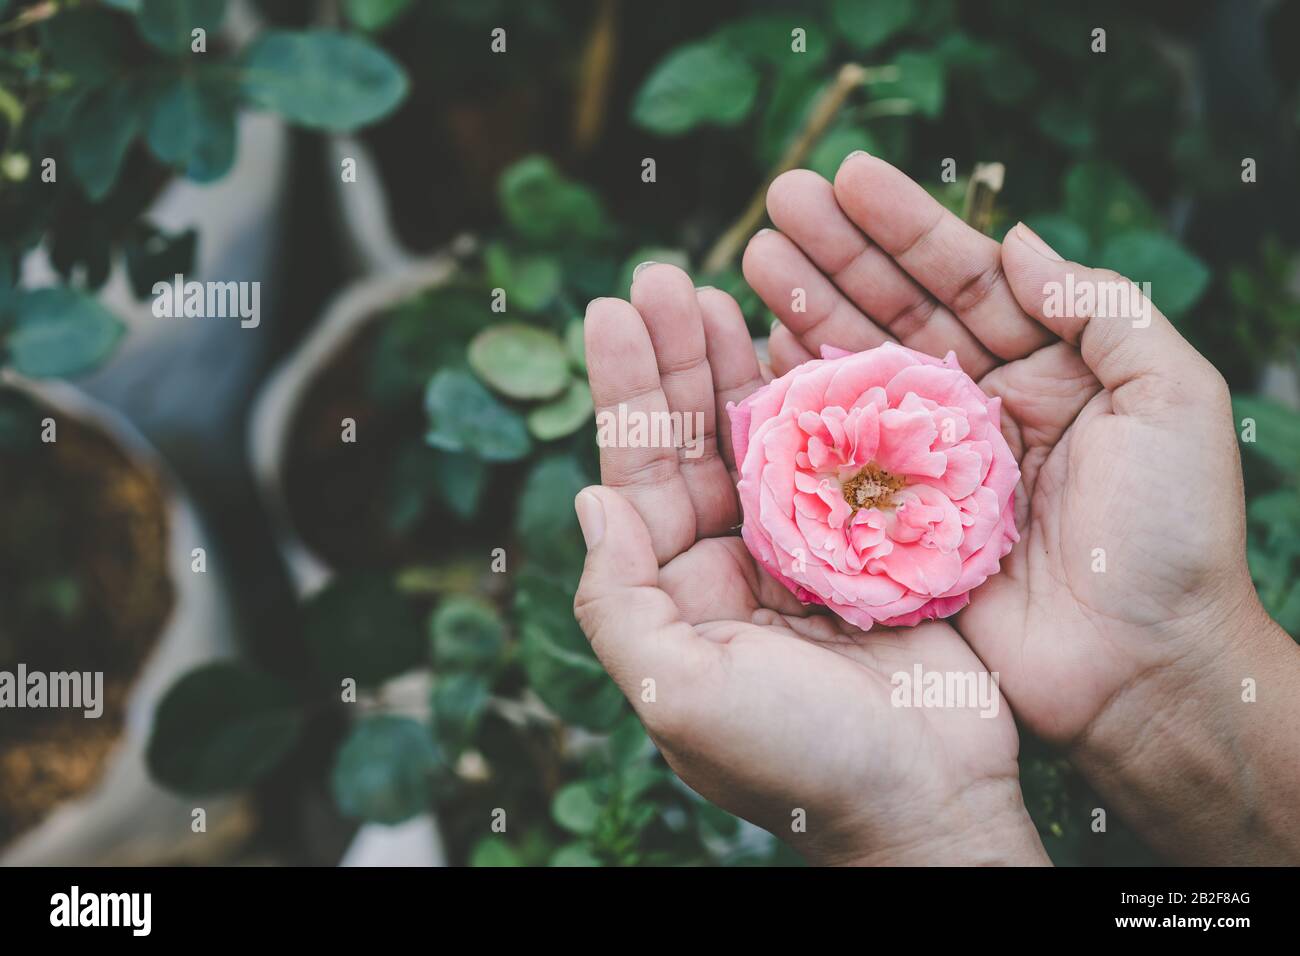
985 824
1199 755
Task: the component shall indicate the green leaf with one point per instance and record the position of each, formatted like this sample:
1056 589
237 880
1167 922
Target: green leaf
920 81
559 663
629 743
546 520
1276 434
577 808
322 79
827 156
1104 201
564 415
167 24
1178 278
493 851
374 15
768 37
543 206
867 25
468 633
458 702
531 281
102 129
465 417
220 728
385 769
697 83
520 361
576 854
1066 124
1062 234
60 332
361 627
460 480
193 129
421 336
90 45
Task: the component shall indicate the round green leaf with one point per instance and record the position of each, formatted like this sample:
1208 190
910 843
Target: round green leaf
697 83
102 128
465 417
361 627
531 281
384 771
836 145
575 855
167 24
193 128
60 332
467 633
564 415
520 361
493 851
220 728
1104 201
577 808
543 206
546 519
322 79
1062 234
1177 277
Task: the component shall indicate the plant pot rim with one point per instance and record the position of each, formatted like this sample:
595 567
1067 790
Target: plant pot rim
116 818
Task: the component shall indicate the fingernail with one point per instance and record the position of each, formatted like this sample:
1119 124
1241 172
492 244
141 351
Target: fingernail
591 517
705 288
1034 241
856 152
641 267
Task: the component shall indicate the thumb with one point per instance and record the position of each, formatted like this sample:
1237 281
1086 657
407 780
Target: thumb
1121 335
634 627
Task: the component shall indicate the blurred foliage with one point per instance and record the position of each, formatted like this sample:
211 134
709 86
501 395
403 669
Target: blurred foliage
101 104
1107 157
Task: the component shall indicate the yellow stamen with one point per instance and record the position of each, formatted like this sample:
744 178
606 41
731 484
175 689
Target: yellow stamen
872 487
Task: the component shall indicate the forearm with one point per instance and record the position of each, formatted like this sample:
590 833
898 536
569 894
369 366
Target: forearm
1202 771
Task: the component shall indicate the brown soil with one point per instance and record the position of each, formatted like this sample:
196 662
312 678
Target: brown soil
77 518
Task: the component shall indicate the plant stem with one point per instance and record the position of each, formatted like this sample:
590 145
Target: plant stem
828 104
30 16
594 75
981 192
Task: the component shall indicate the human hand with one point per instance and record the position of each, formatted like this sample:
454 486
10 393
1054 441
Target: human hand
1124 621
760 704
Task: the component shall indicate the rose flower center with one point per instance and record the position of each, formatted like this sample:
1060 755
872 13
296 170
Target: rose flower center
872 487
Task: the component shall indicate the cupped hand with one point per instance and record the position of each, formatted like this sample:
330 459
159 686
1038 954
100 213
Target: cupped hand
773 711
1130 573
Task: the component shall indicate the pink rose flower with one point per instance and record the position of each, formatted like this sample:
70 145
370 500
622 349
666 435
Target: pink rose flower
877 483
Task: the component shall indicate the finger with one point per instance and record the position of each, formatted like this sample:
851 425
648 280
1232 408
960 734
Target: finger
803 206
635 629
787 352
803 299
625 388
665 298
732 359
1122 337
960 266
